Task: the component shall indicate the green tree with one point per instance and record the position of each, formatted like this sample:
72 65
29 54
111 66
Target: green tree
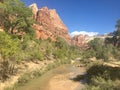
116 35
98 49
96 44
15 17
115 40
8 46
108 41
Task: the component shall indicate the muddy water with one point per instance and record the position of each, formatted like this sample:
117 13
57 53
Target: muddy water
56 79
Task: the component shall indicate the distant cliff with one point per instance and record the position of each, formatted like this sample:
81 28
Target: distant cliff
82 40
49 24
79 40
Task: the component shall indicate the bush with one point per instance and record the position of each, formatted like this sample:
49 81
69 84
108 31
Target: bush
103 70
8 46
24 79
6 69
99 83
100 50
30 50
59 54
102 77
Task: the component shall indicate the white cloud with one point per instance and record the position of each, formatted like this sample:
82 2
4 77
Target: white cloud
83 33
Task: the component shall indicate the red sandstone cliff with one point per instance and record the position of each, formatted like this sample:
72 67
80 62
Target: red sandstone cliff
82 40
49 24
79 40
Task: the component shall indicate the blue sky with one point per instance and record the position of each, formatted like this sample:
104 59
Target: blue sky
84 15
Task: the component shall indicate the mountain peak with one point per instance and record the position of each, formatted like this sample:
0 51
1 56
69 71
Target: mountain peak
49 24
34 9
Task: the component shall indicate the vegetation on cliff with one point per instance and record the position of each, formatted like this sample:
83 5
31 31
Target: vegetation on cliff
18 42
15 17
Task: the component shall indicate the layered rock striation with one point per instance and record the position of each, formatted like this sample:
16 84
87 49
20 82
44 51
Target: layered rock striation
82 40
48 24
79 40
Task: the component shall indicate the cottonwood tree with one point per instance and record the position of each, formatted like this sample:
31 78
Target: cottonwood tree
117 34
15 17
115 40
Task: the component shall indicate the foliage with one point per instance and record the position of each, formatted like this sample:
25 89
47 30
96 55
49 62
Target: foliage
29 50
102 77
95 50
105 49
115 40
106 72
99 49
15 17
96 43
8 46
102 84
63 50
6 69
8 49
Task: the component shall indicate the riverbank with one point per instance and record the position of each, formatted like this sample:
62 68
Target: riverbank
23 68
57 79
63 81
26 71
60 80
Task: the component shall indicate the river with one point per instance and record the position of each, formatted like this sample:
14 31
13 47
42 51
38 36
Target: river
57 79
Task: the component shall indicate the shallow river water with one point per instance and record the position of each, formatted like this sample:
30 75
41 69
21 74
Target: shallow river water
57 79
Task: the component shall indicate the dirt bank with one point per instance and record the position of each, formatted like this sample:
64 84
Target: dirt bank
60 78
22 69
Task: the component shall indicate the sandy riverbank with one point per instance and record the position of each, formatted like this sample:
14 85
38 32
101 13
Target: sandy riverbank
22 69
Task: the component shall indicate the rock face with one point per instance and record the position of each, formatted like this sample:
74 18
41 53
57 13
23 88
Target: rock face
49 24
34 9
79 40
82 40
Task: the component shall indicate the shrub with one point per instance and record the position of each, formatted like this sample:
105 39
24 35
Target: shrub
8 46
100 50
102 77
30 50
24 79
99 83
6 69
